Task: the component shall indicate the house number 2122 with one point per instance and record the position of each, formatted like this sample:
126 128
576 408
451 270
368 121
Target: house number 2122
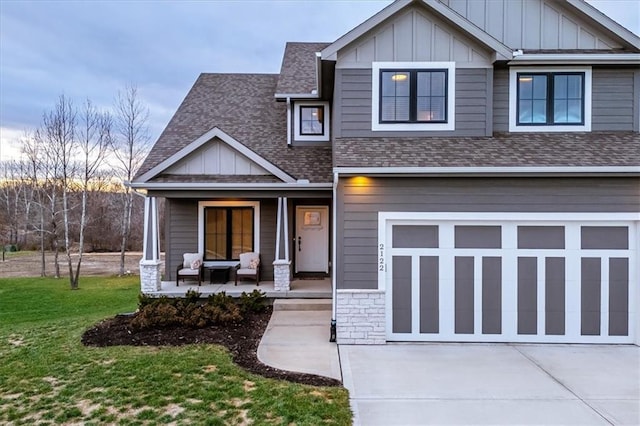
381 258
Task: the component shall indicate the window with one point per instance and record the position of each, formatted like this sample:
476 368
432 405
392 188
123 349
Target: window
413 96
228 228
549 100
311 121
228 231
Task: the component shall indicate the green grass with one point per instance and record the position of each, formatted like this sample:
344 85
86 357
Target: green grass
47 376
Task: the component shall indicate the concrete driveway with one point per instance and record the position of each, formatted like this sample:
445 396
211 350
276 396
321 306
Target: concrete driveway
422 384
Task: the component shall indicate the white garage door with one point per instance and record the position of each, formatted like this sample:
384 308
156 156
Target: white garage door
491 277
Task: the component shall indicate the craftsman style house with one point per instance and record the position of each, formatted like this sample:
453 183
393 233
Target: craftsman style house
462 170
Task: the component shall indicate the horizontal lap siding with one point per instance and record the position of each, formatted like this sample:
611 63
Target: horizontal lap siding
353 104
358 208
181 231
501 100
612 99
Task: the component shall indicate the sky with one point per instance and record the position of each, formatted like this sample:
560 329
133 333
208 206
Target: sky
95 48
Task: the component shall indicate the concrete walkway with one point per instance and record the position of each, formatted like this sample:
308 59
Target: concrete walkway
297 338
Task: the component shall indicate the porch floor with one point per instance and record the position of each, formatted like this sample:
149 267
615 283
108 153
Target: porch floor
300 289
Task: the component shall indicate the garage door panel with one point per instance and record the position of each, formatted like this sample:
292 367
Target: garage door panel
491 295
555 296
429 295
541 282
618 296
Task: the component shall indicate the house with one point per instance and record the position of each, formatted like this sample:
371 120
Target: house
463 170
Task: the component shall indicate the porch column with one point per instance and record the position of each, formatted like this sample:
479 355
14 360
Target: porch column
150 264
282 265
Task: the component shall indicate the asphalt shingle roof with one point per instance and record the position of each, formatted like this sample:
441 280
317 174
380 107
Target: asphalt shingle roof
298 69
244 107
502 150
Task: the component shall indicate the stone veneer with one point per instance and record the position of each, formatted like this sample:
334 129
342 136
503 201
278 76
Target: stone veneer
282 275
360 317
150 275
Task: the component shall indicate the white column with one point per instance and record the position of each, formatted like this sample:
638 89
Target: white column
282 267
150 264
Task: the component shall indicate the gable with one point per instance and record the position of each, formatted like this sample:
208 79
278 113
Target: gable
534 24
216 158
414 35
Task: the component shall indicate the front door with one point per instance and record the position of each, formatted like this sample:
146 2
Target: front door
312 239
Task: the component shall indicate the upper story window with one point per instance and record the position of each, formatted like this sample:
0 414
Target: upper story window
550 100
311 121
413 96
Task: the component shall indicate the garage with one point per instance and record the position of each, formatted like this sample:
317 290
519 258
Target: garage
509 277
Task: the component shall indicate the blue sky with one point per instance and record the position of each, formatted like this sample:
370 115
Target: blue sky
92 49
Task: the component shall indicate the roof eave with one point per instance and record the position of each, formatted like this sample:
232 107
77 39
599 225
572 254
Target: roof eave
532 171
198 186
577 58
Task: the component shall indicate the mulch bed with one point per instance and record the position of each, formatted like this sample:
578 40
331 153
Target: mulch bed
241 339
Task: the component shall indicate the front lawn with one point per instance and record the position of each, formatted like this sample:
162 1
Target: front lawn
48 376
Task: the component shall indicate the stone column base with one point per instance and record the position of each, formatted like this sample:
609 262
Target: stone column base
282 275
150 275
360 317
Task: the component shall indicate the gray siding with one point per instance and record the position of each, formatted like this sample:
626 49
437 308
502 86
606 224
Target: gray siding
612 99
358 207
612 109
181 232
352 104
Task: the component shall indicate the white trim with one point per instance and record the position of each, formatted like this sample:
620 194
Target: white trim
488 170
256 219
224 137
481 218
513 100
231 186
297 95
285 207
575 58
334 241
326 122
376 67
288 121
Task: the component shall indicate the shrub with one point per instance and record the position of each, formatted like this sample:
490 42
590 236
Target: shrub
156 315
253 302
192 296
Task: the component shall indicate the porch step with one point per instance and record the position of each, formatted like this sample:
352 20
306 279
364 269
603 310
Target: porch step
302 305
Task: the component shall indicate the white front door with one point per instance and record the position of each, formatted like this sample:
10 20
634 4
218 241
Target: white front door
312 239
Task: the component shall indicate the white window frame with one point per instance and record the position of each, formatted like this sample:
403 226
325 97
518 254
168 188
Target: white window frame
256 223
399 127
513 100
297 133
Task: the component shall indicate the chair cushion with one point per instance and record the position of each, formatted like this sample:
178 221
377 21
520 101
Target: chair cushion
245 259
246 271
188 258
188 271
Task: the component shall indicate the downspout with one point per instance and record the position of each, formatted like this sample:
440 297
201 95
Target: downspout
288 121
334 257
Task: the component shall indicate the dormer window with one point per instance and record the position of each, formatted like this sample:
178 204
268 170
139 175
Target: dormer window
311 121
413 96
543 99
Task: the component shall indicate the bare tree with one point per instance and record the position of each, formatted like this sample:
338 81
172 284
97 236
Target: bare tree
94 139
59 130
130 148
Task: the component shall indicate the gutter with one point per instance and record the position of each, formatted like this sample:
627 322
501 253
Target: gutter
492 171
334 257
300 185
575 58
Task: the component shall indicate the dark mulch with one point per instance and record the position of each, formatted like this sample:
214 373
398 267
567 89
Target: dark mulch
241 339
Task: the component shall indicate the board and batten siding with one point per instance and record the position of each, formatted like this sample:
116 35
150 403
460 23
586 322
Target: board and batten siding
533 24
181 234
352 105
359 204
614 104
